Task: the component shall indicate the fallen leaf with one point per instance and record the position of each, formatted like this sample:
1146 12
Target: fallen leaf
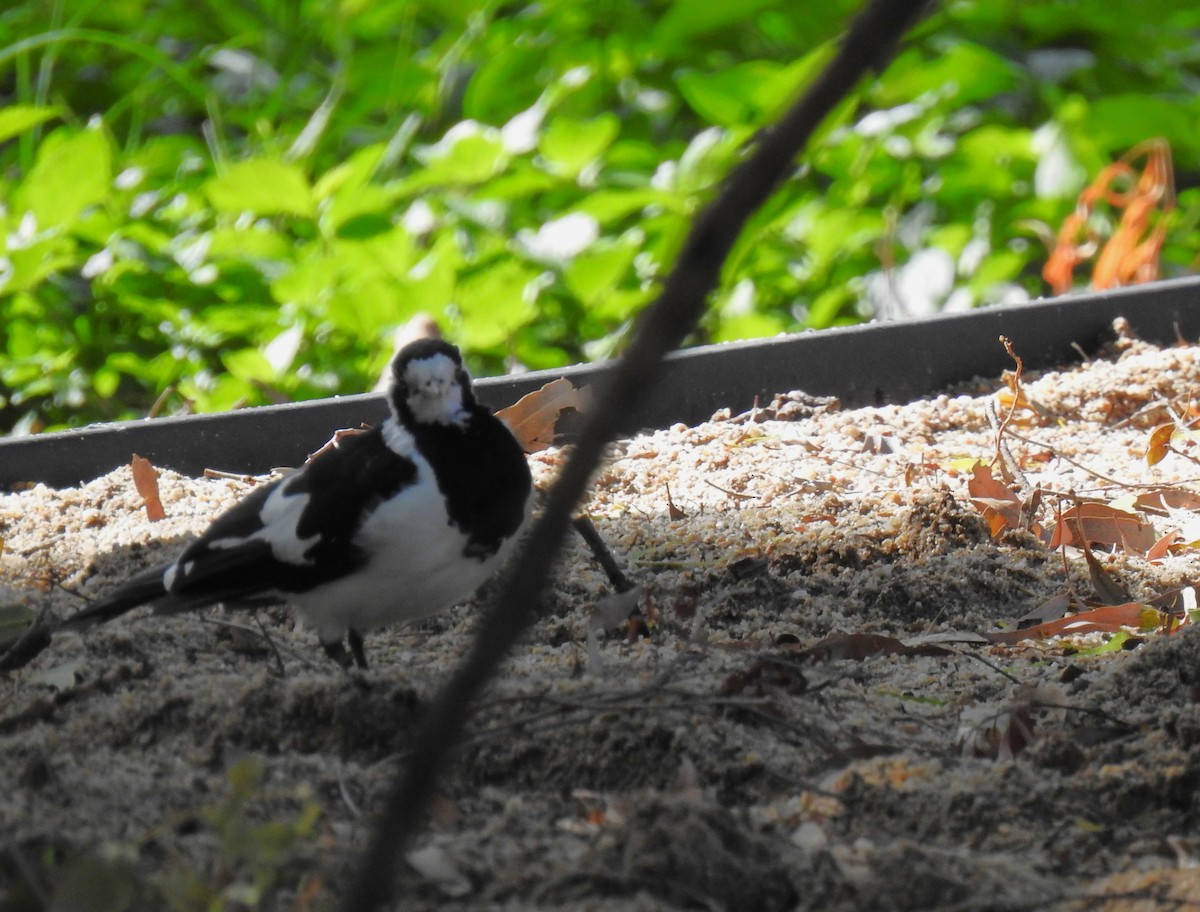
1163 500
1106 619
145 479
1160 443
1002 732
1179 602
1162 547
1102 524
1011 403
532 418
1108 589
1052 609
1001 508
673 511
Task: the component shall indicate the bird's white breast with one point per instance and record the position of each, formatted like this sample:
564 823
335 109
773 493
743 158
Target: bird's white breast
416 566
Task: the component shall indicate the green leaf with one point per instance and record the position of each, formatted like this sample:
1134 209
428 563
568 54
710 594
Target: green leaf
571 143
966 72
367 307
607 206
16 119
687 19
747 326
599 269
467 155
72 171
1119 122
728 97
494 302
265 186
248 364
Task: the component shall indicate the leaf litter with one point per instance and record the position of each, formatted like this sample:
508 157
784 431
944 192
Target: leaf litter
851 685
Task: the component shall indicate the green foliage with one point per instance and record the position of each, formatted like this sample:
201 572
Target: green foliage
229 203
253 854
255 860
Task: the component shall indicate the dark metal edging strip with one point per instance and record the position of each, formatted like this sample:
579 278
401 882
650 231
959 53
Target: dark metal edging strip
862 365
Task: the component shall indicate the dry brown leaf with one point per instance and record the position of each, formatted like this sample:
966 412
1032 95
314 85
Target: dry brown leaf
532 418
1108 590
1002 732
1052 609
1162 547
1001 508
1101 524
1163 500
145 479
1179 602
672 510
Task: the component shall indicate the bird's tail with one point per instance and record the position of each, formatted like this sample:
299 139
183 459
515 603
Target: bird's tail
139 590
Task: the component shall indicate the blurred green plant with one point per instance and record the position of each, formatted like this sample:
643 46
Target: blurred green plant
255 861
212 204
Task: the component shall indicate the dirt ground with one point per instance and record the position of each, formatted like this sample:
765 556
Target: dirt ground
746 747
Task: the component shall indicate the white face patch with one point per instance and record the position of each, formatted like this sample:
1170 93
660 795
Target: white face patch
434 393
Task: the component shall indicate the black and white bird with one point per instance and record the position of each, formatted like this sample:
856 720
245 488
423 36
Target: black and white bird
390 525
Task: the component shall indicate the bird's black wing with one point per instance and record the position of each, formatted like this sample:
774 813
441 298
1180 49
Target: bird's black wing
296 533
324 503
138 590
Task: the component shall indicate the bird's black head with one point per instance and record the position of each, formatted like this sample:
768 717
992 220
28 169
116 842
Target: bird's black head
429 384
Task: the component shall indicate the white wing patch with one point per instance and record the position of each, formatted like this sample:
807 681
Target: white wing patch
398 439
280 516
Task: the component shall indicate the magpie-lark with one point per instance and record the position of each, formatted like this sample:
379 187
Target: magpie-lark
391 525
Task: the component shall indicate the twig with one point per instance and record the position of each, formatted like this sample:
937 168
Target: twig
604 557
29 646
259 631
870 42
1093 472
737 495
270 643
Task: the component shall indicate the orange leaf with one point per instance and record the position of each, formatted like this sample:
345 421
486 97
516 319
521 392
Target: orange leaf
533 417
1108 619
1101 524
1162 547
1160 443
1145 200
145 479
1001 508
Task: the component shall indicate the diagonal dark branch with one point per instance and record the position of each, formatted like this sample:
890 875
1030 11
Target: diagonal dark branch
869 43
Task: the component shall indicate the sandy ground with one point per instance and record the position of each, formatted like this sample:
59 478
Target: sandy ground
723 755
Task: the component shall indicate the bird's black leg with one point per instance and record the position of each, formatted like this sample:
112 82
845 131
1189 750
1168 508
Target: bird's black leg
337 652
356 648
604 557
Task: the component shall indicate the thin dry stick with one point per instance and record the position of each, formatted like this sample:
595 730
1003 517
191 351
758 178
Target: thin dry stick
870 42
